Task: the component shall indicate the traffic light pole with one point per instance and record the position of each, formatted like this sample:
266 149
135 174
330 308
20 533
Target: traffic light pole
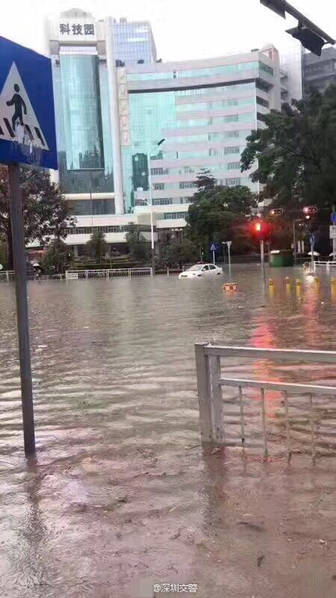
304 21
281 7
262 255
294 241
229 257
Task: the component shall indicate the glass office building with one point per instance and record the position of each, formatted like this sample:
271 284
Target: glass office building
133 42
203 110
124 119
82 103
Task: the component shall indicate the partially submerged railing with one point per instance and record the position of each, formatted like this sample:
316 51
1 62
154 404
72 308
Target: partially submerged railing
6 275
216 414
328 265
107 273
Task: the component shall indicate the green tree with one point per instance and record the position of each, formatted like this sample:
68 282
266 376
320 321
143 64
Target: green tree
137 246
295 154
181 252
46 213
97 246
205 180
57 257
219 214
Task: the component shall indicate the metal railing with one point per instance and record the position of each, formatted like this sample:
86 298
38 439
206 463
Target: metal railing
9 276
6 275
107 273
327 265
220 419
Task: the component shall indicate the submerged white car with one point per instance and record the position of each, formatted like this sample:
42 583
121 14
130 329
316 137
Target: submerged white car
202 271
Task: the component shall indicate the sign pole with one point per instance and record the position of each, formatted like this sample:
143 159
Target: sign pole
214 257
19 256
334 238
229 257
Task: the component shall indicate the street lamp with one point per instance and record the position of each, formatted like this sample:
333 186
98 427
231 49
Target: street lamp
150 199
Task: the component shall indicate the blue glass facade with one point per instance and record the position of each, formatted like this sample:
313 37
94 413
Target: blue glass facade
133 42
202 128
83 125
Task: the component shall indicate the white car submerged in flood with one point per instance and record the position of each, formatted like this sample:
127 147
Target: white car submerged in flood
202 271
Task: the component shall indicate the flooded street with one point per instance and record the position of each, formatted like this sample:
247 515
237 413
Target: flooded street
120 496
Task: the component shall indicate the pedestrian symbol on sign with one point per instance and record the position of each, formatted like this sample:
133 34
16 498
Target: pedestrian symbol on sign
18 121
18 105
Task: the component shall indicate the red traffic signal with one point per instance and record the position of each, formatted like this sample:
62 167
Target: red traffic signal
310 211
260 229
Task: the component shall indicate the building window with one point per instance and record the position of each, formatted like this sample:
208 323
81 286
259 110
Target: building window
232 149
263 86
233 165
164 201
187 185
174 215
232 182
262 102
89 230
264 67
159 186
231 118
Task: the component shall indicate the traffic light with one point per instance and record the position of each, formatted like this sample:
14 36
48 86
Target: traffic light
308 39
276 212
277 6
261 230
310 211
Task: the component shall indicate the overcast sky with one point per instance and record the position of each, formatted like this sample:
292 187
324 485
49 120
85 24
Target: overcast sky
183 29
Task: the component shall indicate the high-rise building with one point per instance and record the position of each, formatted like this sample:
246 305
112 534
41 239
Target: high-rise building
83 128
81 87
203 110
125 119
133 42
319 71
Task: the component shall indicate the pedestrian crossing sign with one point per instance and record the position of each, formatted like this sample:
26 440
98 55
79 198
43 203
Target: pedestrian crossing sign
27 121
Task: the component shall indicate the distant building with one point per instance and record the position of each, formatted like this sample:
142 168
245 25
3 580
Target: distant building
134 42
319 71
291 72
108 152
204 110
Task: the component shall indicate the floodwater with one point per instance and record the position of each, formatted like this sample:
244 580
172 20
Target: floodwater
121 499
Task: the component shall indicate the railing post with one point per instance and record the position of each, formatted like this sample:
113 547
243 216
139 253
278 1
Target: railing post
216 399
151 272
86 274
204 396
168 273
7 275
